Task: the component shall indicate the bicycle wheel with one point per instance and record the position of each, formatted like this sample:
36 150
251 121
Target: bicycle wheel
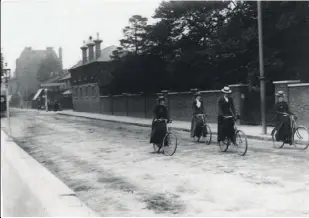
241 143
208 134
170 144
277 144
156 148
224 145
301 138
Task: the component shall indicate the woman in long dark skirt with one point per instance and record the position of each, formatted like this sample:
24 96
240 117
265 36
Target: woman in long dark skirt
226 108
283 119
197 121
159 127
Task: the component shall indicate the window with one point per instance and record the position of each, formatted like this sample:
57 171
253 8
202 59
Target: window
86 91
80 92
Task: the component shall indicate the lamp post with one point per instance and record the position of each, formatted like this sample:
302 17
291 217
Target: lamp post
7 75
261 60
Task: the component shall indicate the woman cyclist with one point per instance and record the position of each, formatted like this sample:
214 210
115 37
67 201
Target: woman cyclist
283 125
161 115
226 108
197 121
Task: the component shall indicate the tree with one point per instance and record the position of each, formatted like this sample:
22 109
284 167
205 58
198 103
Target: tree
134 34
208 44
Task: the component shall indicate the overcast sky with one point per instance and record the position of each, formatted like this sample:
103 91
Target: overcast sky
66 23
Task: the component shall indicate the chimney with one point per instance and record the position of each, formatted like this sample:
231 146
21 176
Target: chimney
60 58
98 42
84 52
90 48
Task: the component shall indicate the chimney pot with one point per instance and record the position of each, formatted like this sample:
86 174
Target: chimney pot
98 42
90 48
84 52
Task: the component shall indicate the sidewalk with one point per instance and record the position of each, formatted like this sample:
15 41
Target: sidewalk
252 132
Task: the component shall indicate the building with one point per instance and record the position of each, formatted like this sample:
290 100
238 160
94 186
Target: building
28 65
58 88
91 75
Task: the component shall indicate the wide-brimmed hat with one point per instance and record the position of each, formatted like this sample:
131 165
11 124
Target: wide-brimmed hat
226 89
197 94
161 98
280 93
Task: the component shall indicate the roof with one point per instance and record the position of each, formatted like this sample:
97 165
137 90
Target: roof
65 77
37 94
106 54
67 92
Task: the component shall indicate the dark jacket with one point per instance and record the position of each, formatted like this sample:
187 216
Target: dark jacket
161 112
226 108
281 107
197 110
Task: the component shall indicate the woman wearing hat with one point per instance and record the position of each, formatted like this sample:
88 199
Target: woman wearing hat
226 108
283 120
159 128
197 108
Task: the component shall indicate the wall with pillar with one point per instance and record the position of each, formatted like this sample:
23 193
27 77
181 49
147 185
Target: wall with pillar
141 105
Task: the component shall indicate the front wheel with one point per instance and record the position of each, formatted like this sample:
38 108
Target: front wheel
241 143
208 133
170 143
301 138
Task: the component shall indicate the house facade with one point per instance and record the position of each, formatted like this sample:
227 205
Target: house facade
90 75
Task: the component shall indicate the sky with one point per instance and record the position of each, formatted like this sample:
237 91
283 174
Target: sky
65 23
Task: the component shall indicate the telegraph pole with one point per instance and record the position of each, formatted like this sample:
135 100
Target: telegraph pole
262 78
7 74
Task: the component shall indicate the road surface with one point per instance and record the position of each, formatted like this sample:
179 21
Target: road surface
113 169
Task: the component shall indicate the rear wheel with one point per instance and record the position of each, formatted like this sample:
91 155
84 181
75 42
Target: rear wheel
241 143
277 144
301 138
170 143
224 145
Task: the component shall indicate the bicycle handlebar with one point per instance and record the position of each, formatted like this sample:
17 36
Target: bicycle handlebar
165 120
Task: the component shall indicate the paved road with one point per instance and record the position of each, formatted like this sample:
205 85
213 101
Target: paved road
111 167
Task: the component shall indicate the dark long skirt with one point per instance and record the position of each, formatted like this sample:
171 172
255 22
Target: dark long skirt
225 129
158 132
284 129
196 127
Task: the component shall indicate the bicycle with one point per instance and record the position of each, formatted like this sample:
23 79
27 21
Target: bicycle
300 135
239 135
169 142
205 130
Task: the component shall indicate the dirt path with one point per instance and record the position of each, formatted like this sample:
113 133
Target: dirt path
111 167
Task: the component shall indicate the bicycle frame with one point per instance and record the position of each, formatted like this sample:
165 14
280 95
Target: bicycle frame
203 117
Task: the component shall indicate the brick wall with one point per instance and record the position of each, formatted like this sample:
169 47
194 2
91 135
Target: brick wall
299 102
106 105
180 104
120 105
136 106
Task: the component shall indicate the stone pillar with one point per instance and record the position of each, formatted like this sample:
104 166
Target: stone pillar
126 95
239 95
283 86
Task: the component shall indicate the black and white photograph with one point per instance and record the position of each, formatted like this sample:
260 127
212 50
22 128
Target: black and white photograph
154 108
